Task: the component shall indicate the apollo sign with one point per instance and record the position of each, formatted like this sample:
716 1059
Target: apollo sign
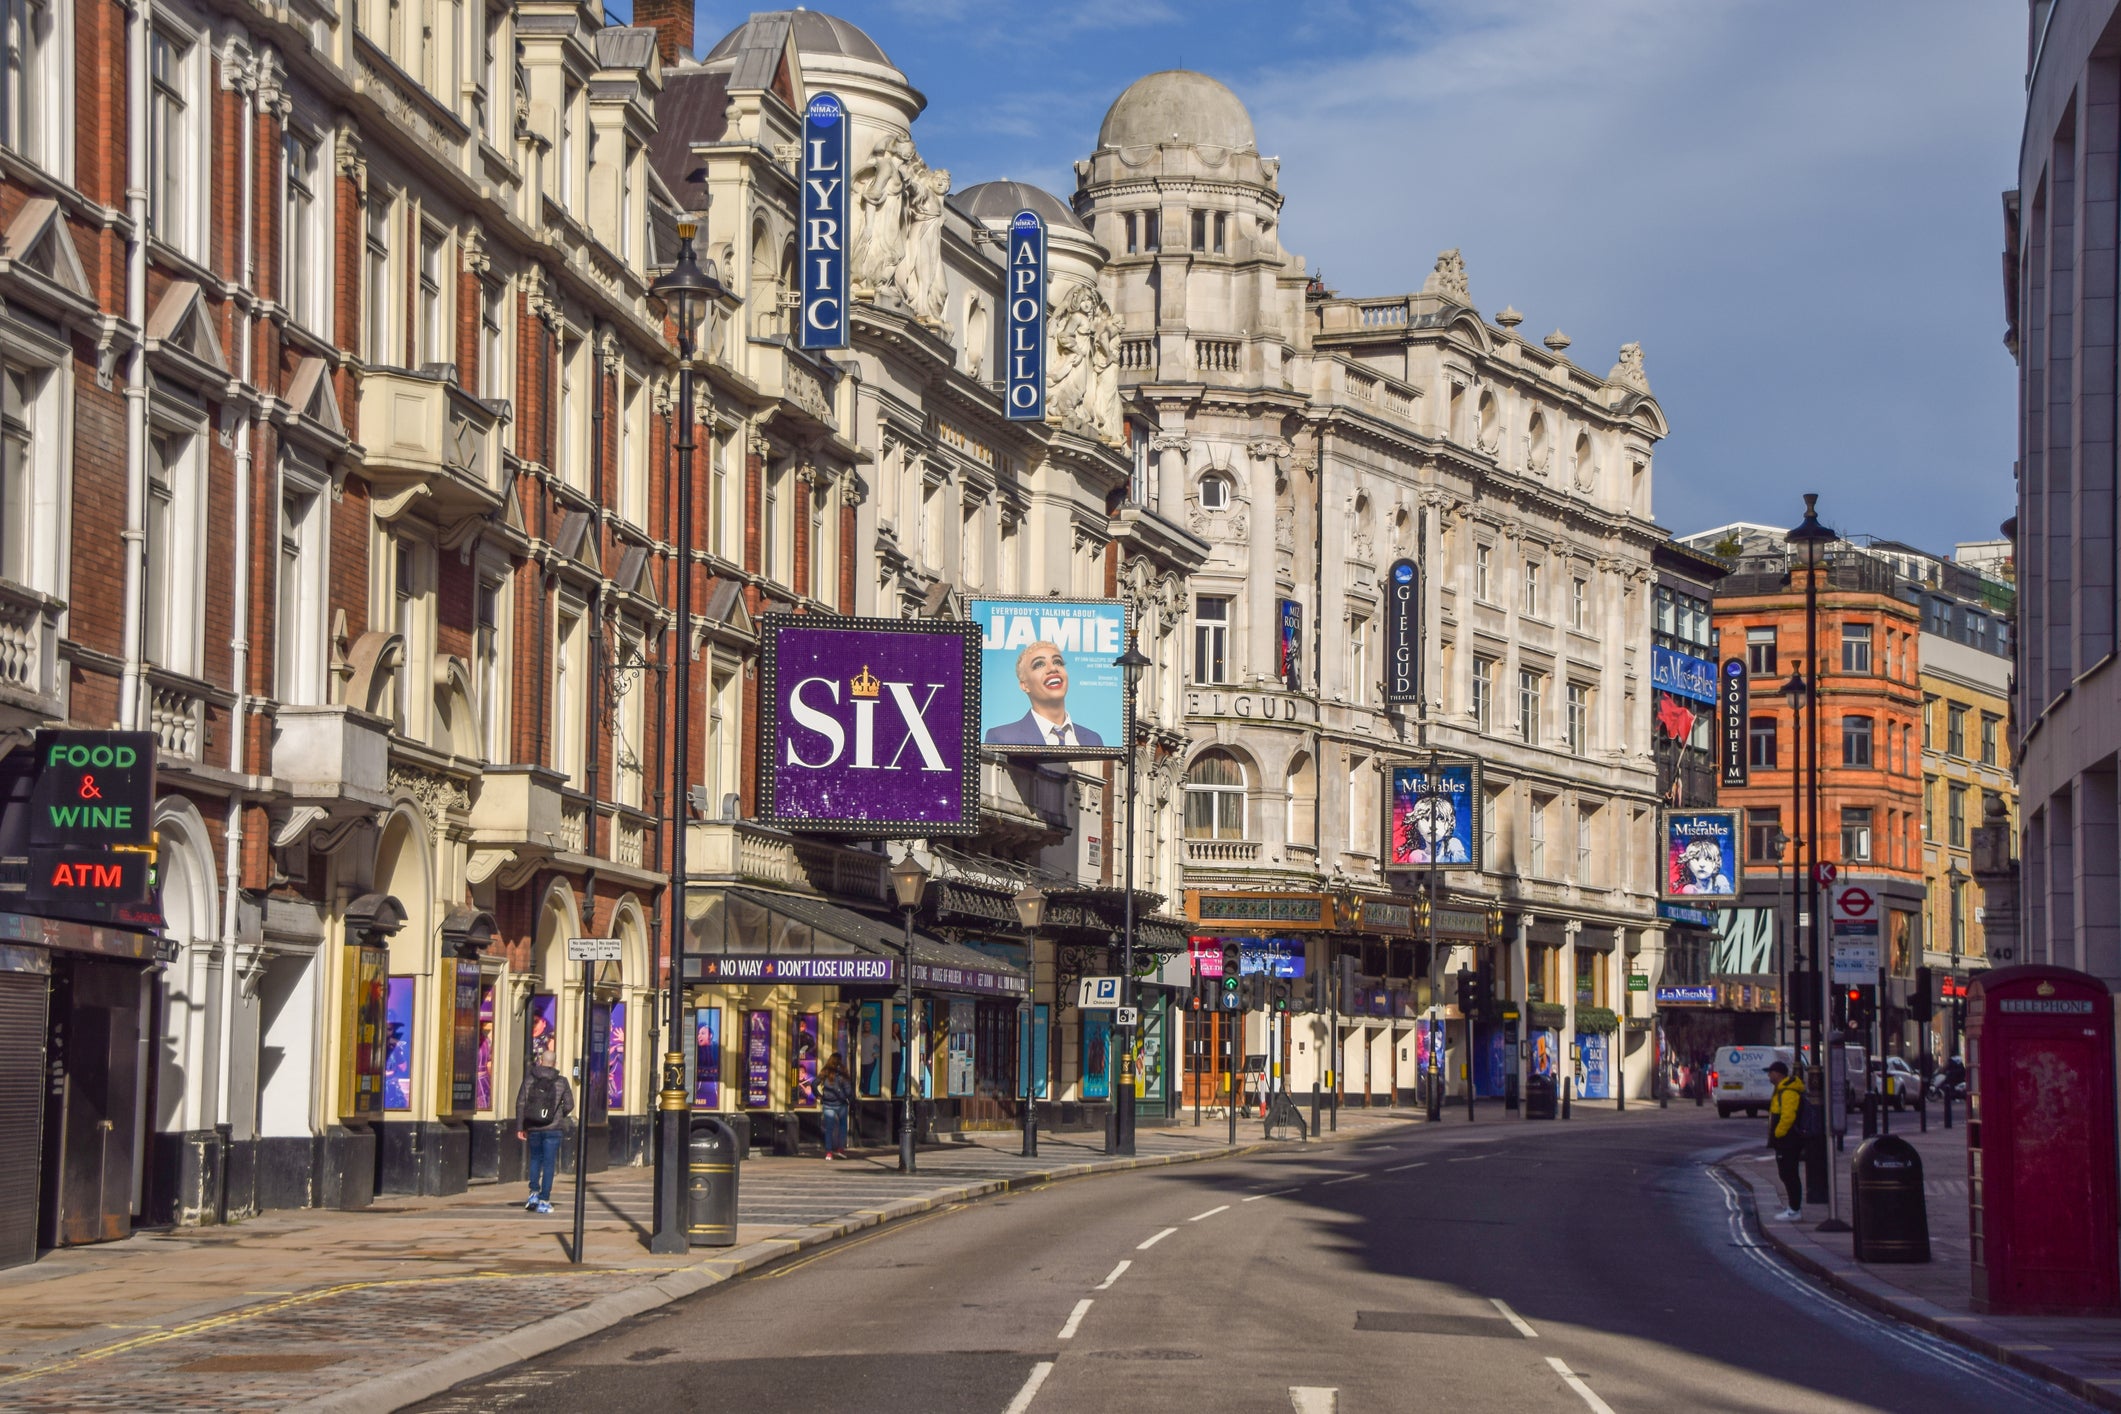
1024 322
824 274
870 726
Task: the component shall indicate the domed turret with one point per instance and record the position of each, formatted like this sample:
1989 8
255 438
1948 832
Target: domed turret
815 33
1177 107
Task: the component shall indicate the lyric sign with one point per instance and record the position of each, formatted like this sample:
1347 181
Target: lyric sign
824 277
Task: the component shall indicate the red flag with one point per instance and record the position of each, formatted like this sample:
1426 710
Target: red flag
1673 716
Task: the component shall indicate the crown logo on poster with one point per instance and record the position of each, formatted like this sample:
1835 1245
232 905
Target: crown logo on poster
862 684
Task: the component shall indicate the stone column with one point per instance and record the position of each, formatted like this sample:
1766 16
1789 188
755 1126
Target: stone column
1520 967
1170 452
1566 1048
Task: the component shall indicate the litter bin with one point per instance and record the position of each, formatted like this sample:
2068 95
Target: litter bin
1542 1097
712 1162
1891 1220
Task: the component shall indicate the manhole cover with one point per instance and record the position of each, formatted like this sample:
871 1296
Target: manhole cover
1428 1323
1145 1354
653 1352
259 1364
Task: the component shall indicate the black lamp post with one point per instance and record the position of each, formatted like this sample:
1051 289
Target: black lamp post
1347 914
690 293
1807 544
1130 664
908 882
1778 846
1804 950
1030 904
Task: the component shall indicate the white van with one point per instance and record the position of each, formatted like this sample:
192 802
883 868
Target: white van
1742 1081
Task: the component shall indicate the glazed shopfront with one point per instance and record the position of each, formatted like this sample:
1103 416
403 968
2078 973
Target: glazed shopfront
778 983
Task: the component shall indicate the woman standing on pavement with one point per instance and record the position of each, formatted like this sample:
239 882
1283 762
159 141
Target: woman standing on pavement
835 1092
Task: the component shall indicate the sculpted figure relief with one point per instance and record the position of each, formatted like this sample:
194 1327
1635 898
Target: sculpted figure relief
898 244
1082 386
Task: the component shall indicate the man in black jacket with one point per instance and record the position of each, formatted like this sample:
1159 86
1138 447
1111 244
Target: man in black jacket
544 1102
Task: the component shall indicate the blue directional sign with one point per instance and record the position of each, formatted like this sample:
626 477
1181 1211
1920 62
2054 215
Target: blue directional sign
1025 322
825 234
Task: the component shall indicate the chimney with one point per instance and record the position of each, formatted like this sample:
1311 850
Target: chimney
672 22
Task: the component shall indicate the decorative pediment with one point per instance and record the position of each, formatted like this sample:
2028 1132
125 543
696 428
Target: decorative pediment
575 541
37 254
313 400
632 577
181 330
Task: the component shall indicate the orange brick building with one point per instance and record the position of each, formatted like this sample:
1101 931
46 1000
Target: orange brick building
1870 742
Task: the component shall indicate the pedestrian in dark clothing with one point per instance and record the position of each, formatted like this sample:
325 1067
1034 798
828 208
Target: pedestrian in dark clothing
835 1093
544 1103
1787 1135
1954 1076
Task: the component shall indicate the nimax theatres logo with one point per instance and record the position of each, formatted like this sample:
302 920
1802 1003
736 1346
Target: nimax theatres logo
906 726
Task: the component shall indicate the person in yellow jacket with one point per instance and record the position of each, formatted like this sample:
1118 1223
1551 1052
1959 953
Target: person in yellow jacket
1786 1135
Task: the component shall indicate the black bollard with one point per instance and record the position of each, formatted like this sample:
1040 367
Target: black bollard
1567 1084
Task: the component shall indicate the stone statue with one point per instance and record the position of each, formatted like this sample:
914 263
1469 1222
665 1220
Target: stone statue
1071 321
920 267
1106 331
1629 369
880 244
1449 278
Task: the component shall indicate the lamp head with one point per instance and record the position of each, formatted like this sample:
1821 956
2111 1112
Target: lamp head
1030 904
1795 691
1810 538
1131 662
908 882
689 290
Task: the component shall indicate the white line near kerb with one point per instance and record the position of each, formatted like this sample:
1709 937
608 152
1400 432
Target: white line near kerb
1275 1194
1575 1382
1523 1328
1314 1399
1209 1214
1106 1284
1075 1318
1402 1168
1156 1239
1029 1392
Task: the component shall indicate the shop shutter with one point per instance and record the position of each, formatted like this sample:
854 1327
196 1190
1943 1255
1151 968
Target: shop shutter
22 1003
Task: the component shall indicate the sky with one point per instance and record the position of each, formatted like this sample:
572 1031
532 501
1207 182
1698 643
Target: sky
1793 205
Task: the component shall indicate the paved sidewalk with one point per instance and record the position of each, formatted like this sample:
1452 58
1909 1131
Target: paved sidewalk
376 1309
2081 1355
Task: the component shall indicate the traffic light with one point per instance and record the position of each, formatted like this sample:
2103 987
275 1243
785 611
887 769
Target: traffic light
1471 999
1922 1002
1349 980
1280 996
1255 992
1859 1008
1232 998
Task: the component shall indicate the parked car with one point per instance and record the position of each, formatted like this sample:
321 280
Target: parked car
1897 1082
1740 1080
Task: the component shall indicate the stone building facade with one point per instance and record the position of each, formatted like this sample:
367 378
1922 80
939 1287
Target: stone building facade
1312 439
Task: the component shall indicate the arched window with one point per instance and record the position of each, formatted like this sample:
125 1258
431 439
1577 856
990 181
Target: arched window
1215 798
1302 786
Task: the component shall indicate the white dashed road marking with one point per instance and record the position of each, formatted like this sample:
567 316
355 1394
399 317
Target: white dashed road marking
1404 1167
1029 1392
1106 1284
1209 1214
1156 1239
1075 1318
1575 1382
1310 1399
1514 1319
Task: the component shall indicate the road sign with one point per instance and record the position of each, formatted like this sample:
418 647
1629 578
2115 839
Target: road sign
1127 1016
592 949
1852 914
1823 874
1099 994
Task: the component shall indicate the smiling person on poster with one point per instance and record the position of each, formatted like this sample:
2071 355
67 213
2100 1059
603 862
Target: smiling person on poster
1042 672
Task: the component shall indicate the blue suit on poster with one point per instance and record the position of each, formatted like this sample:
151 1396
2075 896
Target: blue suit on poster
1032 730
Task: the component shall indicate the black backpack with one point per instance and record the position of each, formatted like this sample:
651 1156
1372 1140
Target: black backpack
541 1102
1806 1124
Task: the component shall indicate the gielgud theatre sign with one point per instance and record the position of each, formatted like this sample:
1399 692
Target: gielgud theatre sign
871 726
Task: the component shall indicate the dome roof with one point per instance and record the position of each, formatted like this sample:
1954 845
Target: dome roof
1000 201
1177 106
815 33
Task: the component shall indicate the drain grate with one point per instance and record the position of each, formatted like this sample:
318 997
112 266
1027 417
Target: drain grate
1430 1323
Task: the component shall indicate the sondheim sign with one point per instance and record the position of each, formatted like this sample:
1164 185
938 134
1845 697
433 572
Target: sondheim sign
870 726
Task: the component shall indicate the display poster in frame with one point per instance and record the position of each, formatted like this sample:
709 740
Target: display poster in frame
1700 856
758 1059
398 1018
869 726
615 1082
1432 814
1050 682
803 1063
707 1051
869 1050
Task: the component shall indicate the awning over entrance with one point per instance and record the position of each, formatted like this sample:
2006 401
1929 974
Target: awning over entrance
752 935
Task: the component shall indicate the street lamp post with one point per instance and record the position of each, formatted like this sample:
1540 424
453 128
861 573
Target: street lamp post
908 882
1956 881
1130 664
1031 912
691 294
1809 540
1778 845
1347 911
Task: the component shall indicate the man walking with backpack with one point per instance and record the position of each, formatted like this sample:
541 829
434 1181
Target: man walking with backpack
544 1101
1790 1109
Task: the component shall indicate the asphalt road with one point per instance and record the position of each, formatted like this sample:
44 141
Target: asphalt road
1595 1265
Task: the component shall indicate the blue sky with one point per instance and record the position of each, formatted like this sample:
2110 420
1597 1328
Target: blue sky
1792 204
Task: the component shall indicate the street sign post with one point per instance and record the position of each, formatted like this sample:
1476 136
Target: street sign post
589 952
1099 994
1127 1016
592 949
1852 917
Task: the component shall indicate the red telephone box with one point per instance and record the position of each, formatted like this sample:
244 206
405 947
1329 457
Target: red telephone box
2044 1218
